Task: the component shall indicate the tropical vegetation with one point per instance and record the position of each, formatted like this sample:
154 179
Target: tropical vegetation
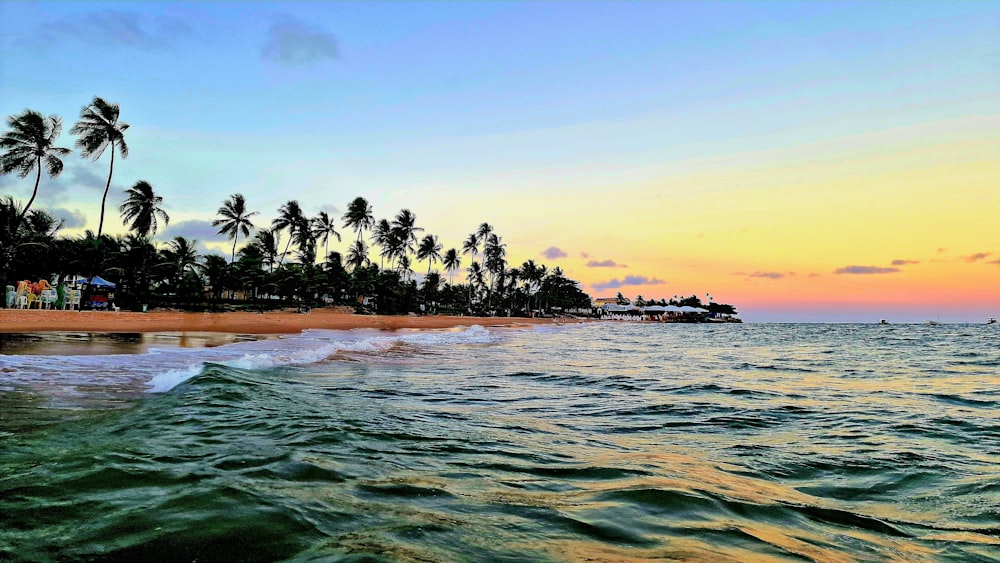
278 265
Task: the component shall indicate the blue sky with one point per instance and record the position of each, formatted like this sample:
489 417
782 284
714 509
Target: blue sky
530 113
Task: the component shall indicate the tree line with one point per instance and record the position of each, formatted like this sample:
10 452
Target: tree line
279 264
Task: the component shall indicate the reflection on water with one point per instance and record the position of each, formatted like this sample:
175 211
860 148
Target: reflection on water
590 443
95 343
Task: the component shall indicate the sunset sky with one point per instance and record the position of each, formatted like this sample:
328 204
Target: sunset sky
813 161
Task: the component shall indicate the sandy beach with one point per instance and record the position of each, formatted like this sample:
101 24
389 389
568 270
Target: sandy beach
274 322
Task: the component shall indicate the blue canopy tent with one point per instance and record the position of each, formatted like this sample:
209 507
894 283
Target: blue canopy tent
98 281
99 292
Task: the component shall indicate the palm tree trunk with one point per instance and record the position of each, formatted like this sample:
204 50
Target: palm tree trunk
111 170
287 244
100 224
233 259
24 211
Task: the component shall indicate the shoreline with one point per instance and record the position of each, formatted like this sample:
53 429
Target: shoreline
272 322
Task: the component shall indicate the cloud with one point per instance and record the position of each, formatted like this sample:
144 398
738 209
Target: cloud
76 173
605 264
114 28
331 210
629 280
977 256
74 219
767 275
553 252
997 262
87 174
904 262
584 255
293 43
202 231
865 270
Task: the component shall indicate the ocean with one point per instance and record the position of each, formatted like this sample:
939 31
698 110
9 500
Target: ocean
593 442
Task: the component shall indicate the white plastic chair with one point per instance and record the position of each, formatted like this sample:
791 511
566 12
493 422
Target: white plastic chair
72 299
48 298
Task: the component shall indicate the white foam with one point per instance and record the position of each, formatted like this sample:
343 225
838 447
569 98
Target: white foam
161 369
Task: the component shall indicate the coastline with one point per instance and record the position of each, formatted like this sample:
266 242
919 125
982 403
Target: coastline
272 322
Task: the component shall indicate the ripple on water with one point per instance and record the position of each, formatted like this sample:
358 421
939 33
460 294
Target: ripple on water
596 442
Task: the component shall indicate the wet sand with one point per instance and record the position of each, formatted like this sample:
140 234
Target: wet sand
275 322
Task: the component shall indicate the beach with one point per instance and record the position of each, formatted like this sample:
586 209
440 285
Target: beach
272 322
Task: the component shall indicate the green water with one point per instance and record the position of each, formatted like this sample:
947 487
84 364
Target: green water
605 442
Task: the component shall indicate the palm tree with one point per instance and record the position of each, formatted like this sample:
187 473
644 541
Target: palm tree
180 256
495 253
323 227
234 219
406 223
31 141
138 256
215 269
99 129
451 261
290 217
430 250
142 208
266 244
430 289
381 236
397 246
404 267
484 231
476 278
471 246
303 237
357 254
359 216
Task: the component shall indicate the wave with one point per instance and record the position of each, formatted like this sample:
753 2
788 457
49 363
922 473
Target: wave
159 370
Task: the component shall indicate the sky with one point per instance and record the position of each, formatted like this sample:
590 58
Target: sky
805 161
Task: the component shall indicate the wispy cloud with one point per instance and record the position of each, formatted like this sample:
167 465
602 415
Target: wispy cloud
553 252
83 174
977 256
584 255
904 262
194 229
293 43
767 275
331 210
865 270
72 219
605 264
628 280
114 28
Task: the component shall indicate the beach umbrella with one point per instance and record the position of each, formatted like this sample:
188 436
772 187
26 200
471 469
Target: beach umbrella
97 281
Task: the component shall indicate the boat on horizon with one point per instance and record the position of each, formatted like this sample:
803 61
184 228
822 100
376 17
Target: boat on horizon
991 321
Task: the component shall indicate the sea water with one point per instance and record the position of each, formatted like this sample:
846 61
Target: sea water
597 442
